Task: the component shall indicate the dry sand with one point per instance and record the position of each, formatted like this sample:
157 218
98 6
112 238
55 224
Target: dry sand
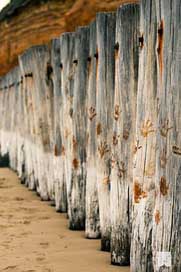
33 237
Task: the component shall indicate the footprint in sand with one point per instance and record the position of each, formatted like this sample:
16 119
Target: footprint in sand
40 259
10 267
29 270
25 233
44 244
18 199
61 236
3 186
2 179
25 222
44 218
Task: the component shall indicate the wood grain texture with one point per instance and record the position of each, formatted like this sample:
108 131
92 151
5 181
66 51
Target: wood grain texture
34 70
67 72
123 135
92 201
79 124
58 166
145 157
106 23
166 227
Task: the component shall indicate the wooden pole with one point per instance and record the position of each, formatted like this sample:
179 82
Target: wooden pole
92 203
79 122
104 109
123 137
145 145
67 71
166 234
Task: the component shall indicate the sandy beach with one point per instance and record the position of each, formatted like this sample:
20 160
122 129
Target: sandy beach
33 237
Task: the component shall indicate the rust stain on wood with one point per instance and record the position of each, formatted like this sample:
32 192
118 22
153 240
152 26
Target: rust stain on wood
157 217
160 47
75 163
74 142
144 194
138 192
46 142
115 139
146 128
103 149
106 180
163 186
99 129
56 153
125 134
163 158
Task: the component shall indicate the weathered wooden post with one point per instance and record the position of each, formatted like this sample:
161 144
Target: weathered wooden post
67 70
4 136
35 66
20 131
11 121
166 233
145 144
27 145
18 118
123 137
106 25
58 165
26 151
27 168
7 133
79 122
92 203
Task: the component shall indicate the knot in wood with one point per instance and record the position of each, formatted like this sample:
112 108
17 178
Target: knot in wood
141 41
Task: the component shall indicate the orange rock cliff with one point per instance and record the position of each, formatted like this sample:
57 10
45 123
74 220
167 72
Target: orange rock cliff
25 23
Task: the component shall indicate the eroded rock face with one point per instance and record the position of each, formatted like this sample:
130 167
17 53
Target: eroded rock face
48 19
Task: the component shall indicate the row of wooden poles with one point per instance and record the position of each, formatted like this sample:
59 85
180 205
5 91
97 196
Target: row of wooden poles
93 123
